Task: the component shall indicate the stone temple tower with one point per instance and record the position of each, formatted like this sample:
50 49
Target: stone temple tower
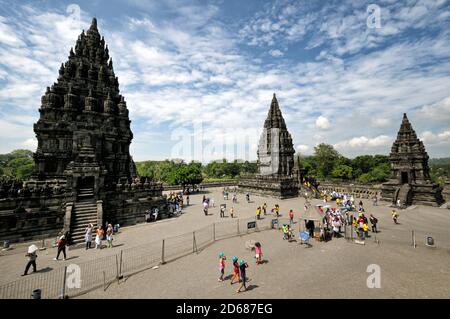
84 171
410 174
275 149
84 131
275 159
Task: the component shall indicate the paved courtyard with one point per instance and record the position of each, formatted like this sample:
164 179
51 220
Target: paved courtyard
333 269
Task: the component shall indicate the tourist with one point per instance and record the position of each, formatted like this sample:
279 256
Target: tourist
109 235
291 217
277 210
258 212
366 230
31 262
222 211
222 259
264 207
205 207
258 253
399 204
234 198
99 238
375 200
310 227
232 212
395 216
62 242
361 206
248 197
88 235
336 225
187 200
373 221
235 270
242 271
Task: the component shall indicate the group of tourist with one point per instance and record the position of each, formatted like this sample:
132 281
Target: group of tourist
239 268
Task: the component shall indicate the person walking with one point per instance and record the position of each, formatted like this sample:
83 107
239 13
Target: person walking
248 197
291 217
395 216
99 237
31 255
242 272
109 235
62 242
258 252
187 200
258 213
232 212
373 221
88 235
235 270
264 207
222 259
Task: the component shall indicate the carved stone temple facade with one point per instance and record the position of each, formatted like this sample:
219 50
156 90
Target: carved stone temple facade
84 170
275 159
410 174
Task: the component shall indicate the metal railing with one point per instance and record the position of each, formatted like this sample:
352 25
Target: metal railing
101 272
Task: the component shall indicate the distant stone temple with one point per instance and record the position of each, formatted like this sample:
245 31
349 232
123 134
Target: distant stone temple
84 170
410 174
275 159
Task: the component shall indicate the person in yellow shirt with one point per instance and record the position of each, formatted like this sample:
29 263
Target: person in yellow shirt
258 213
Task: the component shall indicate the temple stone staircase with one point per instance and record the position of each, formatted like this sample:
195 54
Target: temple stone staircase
84 213
403 194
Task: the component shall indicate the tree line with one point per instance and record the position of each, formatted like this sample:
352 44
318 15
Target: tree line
325 164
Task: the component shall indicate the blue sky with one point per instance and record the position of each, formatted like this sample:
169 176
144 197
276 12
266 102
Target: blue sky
214 65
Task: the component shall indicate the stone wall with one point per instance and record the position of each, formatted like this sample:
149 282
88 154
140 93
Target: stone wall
274 186
446 192
42 218
357 190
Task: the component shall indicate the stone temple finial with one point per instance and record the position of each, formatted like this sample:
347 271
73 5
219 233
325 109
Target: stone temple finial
94 23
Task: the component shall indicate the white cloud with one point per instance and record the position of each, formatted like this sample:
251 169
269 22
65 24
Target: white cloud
304 149
432 138
276 53
322 123
364 143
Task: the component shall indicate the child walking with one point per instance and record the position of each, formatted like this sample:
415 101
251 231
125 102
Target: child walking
242 269
235 270
258 253
222 259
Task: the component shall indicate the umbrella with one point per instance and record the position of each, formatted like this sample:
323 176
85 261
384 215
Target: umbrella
32 249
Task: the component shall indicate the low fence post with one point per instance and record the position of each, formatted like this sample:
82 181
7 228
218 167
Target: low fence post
162 252
351 233
214 231
120 265
104 281
238 226
194 244
63 290
117 269
413 238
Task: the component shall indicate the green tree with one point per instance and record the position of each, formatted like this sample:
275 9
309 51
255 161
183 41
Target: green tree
326 157
342 172
185 175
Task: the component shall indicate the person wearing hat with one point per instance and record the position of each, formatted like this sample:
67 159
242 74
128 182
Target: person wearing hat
31 254
242 269
235 270
62 243
222 259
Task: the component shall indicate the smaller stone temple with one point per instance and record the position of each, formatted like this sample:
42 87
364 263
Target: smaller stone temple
410 180
275 159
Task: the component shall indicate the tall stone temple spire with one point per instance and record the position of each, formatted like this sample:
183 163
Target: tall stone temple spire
275 149
275 159
84 172
410 174
84 110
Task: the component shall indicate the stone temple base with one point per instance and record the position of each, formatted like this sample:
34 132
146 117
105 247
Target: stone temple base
418 194
446 192
273 186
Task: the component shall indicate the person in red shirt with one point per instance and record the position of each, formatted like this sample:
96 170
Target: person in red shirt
291 217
